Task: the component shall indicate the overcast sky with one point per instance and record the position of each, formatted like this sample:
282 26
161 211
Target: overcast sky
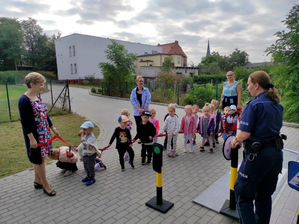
248 25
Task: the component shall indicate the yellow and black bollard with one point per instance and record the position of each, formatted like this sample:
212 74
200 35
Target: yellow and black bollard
157 202
233 178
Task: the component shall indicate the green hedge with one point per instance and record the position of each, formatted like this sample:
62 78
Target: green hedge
202 79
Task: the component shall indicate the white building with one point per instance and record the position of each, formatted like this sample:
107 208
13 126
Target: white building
79 55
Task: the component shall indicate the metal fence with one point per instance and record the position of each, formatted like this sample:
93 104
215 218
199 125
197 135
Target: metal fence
174 93
57 96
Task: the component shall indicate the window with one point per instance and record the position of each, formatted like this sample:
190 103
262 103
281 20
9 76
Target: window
72 69
75 68
179 60
74 52
70 50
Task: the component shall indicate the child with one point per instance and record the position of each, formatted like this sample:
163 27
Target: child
212 109
129 126
217 114
233 118
195 109
225 127
127 114
123 141
146 132
66 159
188 127
206 127
155 122
166 137
171 127
87 151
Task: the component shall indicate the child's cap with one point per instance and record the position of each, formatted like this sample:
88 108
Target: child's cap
146 113
123 118
233 107
87 124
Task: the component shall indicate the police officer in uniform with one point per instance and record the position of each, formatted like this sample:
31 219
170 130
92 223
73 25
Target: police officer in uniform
259 127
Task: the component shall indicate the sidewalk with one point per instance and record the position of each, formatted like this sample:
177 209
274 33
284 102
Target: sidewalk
120 197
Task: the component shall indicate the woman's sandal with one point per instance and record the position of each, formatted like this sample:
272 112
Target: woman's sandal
37 185
51 193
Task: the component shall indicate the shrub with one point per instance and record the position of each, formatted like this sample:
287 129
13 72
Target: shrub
47 74
200 94
93 90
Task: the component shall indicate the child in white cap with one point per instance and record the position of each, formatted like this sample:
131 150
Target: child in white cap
123 141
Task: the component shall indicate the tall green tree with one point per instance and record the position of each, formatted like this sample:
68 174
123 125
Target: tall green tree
285 52
47 60
216 64
119 68
211 64
166 76
34 41
11 40
237 59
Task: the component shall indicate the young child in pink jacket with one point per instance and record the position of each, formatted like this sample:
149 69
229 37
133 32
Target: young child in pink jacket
188 127
155 122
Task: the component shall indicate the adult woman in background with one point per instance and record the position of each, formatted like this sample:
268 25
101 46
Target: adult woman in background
140 99
36 126
259 128
231 92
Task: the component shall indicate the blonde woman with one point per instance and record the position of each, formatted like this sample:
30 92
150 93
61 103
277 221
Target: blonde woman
36 126
140 99
231 92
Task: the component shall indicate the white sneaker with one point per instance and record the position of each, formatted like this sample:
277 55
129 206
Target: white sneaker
67 173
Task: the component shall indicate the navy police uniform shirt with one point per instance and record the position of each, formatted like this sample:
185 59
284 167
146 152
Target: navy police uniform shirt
262 117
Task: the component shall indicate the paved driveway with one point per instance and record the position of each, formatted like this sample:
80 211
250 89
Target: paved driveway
120 197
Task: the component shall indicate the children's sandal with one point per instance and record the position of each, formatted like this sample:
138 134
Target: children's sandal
202 149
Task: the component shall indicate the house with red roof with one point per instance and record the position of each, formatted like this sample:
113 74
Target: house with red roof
149 64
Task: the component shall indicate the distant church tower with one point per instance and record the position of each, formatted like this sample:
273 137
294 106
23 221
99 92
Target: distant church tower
208 50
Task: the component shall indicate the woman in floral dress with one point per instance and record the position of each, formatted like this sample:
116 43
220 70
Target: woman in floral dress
36 126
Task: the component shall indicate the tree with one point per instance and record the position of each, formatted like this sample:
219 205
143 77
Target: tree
47 62
285 52
168 78
210 64
11 40
237 59
215 63
34 41
119 68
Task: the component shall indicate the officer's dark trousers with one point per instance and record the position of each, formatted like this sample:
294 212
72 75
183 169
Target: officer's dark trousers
257 181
